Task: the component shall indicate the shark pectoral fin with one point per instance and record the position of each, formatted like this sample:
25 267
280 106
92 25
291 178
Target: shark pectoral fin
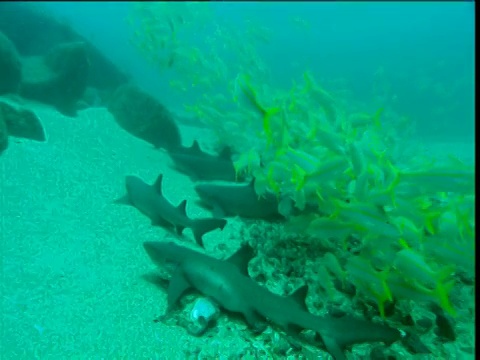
241 258
177 286
254 321
333 348
292 330
124 200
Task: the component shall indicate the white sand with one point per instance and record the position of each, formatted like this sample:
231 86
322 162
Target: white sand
72 285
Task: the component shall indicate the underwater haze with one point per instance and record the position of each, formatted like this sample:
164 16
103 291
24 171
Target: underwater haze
422 54
237 180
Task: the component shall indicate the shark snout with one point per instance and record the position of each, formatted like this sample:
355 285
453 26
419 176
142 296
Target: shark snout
150 247
133 183
154 251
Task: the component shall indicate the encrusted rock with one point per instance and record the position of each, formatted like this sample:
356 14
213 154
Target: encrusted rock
144 117
59 78
16 120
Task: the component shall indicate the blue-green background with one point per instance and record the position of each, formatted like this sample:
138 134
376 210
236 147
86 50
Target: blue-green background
414 42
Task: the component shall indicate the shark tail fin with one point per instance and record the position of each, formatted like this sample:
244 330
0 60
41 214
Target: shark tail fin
337 333
202 226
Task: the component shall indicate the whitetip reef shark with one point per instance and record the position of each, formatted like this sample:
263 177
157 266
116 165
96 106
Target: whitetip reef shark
151 202
228 284
199 165
230 199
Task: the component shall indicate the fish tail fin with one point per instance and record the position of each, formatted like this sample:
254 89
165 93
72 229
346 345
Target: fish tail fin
298 177
202 226
442 291
267 123
376 118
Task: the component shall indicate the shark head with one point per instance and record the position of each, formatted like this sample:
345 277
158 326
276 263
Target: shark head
157 251
133 183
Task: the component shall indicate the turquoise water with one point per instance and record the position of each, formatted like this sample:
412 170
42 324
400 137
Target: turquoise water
355 122
425 50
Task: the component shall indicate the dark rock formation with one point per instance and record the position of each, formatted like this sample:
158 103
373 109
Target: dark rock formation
10 66
18 121
3 135
144 117
59 78
37 33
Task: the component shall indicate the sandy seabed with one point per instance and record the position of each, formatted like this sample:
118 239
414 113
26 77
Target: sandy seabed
72 261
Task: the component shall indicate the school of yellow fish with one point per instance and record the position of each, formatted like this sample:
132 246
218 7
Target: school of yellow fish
399 225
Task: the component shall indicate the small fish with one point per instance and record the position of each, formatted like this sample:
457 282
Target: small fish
370 281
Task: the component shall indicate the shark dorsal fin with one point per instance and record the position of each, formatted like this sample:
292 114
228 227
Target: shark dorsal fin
241 258
195 148
158 185
226 153
182 207
299 296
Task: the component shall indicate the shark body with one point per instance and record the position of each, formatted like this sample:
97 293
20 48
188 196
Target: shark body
199 165
151 202
227 282
238 199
